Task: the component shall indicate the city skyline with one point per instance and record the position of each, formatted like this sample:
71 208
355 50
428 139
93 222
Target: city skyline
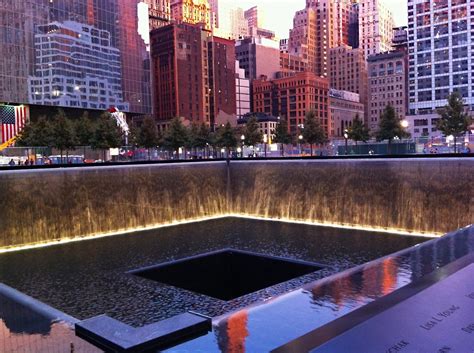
278 14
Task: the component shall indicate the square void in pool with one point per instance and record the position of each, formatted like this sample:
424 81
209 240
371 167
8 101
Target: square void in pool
227 274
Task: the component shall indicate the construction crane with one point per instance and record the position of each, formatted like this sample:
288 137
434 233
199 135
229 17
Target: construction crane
7 143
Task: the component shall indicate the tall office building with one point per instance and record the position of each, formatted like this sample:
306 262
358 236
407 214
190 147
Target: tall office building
376 25
242 91
63 78
159 12
192 11
387 85
303 39
258 56
186 53
441 49
354 25
322 25
254 17
116 28
214 6
348 72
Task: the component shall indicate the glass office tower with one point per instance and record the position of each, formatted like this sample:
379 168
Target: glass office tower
441 50
89 54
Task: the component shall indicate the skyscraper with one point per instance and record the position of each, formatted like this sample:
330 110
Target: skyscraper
322 25
440 52
387 85
440 44
375 27
65 79
115 27
348 72
194 74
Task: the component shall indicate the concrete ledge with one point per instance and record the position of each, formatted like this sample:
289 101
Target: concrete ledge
112 335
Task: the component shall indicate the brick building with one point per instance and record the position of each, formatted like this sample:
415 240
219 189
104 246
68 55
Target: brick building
187 53
292 97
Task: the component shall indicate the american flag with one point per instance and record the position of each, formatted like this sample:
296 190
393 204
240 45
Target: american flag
12 120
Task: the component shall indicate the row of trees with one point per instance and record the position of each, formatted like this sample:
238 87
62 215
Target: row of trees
64 134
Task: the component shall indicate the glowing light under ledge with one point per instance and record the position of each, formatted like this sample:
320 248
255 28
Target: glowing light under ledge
204 219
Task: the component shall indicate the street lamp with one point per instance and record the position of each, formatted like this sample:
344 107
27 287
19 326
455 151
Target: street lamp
346 137
404 124
300 140
242 138
265 141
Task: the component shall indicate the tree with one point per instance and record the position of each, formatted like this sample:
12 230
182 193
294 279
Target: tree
358 131
390 126
203 138
36 134
147 135
281 135
107 134
62 133
454 120
252 133
313 132
176 136
226 138
84 129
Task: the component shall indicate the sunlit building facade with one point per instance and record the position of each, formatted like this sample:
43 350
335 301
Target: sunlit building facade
322 25
193 12
292 97
376 25
108 39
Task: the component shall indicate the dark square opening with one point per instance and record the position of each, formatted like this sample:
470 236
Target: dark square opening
227 274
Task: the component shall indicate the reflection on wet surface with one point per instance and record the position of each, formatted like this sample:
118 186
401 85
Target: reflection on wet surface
276 322
23 330
96 271
259 328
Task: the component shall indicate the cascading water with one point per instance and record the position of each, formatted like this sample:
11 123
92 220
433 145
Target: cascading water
433 196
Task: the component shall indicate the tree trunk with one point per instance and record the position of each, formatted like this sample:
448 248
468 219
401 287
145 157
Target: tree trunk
61 158
149 154
311 148
282 150
455 144
177 153
389 147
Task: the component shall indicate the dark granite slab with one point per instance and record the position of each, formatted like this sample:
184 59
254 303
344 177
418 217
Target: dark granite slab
112 335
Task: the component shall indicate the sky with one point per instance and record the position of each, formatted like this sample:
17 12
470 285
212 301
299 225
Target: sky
279 13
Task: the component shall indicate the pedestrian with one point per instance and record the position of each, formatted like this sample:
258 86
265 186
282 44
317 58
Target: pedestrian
32 162
27 162
11 163
19 162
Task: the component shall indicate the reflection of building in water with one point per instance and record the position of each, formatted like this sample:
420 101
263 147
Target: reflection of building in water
76 66
232 335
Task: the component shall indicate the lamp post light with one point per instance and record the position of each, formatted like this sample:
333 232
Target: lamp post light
242 139
265 141
346 138
300 140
